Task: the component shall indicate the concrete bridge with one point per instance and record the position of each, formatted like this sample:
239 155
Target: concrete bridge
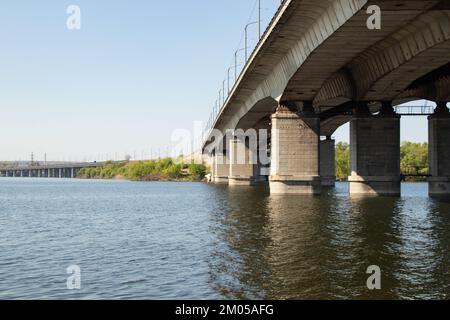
319 66
66 170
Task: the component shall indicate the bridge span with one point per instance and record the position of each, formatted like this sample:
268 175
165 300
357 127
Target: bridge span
65 170
319 66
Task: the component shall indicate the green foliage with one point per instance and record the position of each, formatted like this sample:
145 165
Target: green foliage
197 171
414 158
108 171
173 171
342 161
163 169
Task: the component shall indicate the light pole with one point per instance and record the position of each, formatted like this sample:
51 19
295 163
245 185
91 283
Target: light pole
223 91
259 18
246 37
228 78
235 62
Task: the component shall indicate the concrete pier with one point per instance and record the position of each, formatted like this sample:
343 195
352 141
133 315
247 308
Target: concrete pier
328 162
295 151
241 164
375 152
439 151
221 169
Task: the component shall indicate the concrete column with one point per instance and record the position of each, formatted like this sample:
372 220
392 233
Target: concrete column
439 151
14 173
213 167
241 164
72 173
262 167
221 169
21 173
295 151
60 173
328 162
375 152
48 173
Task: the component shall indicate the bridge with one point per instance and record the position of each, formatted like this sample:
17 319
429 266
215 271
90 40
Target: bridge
66 170
318 66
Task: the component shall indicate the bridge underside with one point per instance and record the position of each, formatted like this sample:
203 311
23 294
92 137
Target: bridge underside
320 66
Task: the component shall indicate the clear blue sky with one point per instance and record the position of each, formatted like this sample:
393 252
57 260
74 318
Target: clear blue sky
135 72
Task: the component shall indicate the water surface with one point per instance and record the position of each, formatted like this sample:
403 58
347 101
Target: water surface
198 241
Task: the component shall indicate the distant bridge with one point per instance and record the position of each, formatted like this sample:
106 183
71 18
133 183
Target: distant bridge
65 170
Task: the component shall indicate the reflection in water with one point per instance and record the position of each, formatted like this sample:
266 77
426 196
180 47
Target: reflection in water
291 247
199 241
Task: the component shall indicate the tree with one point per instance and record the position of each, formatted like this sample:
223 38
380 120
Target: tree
414 158
342 161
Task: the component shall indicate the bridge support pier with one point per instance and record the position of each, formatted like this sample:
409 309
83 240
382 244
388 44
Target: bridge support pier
295 151
241 164
439 151
328 162
375 152
221 169
262 166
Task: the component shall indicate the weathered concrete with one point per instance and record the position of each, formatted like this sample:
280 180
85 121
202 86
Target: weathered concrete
221 169
262 167
439 151
328 162
375 154
241 164
261 174
322 51
295 153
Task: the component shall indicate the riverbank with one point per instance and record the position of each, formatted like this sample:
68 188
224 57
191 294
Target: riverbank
152 170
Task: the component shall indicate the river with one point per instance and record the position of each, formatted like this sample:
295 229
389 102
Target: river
134 240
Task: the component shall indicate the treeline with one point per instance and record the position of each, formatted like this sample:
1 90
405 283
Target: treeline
151 170
413 159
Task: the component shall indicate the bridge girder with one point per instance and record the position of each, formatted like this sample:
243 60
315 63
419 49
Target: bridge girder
322 51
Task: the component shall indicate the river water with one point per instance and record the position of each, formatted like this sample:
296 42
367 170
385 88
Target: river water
136 240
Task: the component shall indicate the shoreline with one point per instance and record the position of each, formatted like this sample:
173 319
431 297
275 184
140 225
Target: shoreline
151 170
162 179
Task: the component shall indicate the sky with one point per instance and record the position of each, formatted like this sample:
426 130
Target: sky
134 73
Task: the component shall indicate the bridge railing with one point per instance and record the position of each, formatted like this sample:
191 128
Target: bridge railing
227 87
